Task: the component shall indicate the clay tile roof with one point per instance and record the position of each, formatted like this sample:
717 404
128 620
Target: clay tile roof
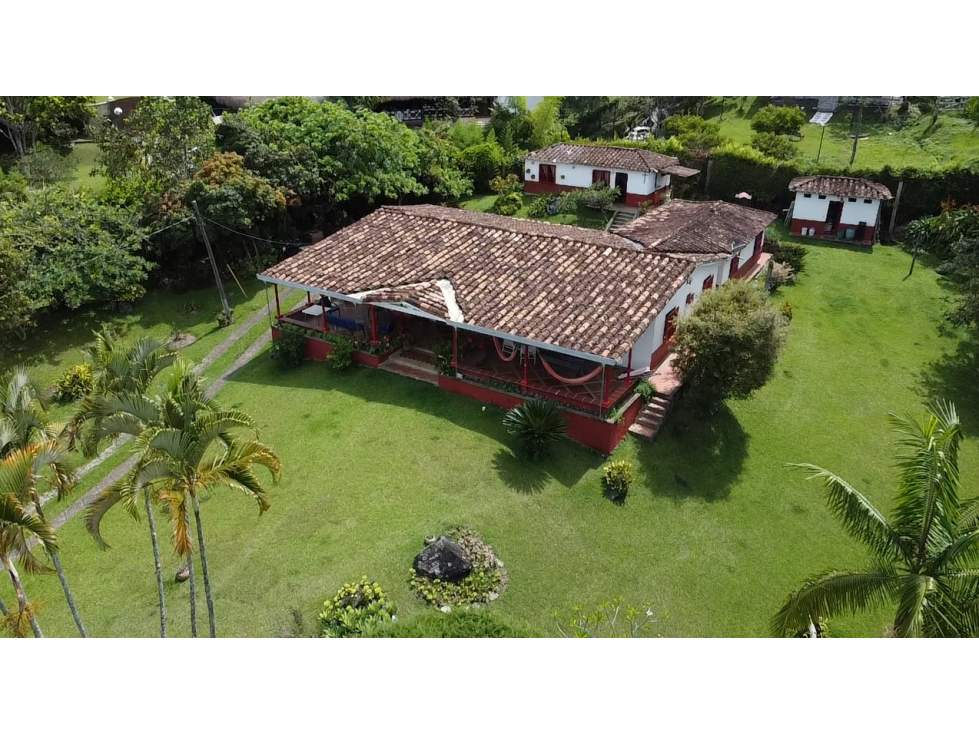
578 289
708 227
858 188
600 156
425 296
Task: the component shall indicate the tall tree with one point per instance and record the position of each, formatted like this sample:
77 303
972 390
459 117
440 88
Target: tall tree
55 120
924 561
727 345
164 141
16 526
186 446
27 438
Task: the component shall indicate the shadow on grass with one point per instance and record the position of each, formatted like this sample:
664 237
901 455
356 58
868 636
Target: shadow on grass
695 455
519 473
566 462
955 377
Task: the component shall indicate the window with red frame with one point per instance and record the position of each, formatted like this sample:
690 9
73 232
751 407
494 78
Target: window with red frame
690 297
548 173
735 264
708 283
670 327
604 176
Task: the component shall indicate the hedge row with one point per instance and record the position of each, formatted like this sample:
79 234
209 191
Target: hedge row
739 168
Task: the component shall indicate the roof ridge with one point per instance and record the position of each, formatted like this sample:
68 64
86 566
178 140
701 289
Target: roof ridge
409 210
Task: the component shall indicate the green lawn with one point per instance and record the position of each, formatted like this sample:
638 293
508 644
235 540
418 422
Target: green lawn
59 338
85 154
919 144
374 462
591 218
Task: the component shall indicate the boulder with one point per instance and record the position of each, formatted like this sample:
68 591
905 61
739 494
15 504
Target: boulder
445 560
182 574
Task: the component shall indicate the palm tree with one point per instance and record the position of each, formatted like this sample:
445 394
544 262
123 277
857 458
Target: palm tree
126 413
17 525
925 559
186 446
116 371
25 435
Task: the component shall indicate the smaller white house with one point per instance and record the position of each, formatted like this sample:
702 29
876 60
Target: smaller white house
836 207
641 176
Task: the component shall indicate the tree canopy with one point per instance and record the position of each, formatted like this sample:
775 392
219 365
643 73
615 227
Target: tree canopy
778 120
727 345
56 121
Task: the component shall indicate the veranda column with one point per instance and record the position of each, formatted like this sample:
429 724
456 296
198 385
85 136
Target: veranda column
326 324
628 370
526 369
278 308
606 385
373 324
455 346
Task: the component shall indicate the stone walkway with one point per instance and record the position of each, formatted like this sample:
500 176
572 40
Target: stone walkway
80 504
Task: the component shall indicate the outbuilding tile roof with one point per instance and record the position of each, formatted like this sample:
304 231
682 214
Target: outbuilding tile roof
600 156
858 188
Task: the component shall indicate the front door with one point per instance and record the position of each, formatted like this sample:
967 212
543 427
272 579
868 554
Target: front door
833 214
621 182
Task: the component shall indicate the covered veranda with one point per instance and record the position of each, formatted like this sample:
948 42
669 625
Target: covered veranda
506 362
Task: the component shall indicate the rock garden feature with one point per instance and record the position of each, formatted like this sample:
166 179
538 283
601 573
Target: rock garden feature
458 568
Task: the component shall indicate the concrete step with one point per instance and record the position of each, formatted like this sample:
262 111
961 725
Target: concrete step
411 368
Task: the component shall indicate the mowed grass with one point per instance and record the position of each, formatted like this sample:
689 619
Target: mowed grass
60 338
919 144
84 154
374 462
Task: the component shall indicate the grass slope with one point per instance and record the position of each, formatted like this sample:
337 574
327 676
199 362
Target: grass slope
373 463
591 218
920 144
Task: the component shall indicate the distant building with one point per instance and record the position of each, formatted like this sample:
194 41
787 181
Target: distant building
837 207
640 175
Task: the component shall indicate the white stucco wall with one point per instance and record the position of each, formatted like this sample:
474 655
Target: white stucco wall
854 212
580 177
652 338
813 208
857 211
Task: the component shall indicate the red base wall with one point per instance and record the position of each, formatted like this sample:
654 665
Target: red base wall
748 265
591 432
318 350
797 225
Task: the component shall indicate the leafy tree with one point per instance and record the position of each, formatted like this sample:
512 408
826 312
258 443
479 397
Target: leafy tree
18 310
29 444
53 120
698 136
13 186
545 125
186 445
43 165
924 560
466 134
324 151
728 343
953 236
440 168
778 120
78 250
775 146
589 117
164 141
511 124
483 163
972 111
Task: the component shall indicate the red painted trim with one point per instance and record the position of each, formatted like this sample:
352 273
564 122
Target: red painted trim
373 324
594 433
455 346
628 369
660 354
318 350
749 264
526 367
607 380
797 225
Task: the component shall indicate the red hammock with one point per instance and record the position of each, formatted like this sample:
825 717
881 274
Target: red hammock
571 381
496 343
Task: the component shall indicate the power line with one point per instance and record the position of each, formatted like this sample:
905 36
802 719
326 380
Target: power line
243 234
182 221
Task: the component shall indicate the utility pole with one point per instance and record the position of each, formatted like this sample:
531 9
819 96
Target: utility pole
819 152
214 264
856 134
897 201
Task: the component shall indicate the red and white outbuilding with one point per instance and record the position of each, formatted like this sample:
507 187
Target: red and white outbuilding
837 208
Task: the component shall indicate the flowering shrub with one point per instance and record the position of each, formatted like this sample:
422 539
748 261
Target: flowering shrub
356 609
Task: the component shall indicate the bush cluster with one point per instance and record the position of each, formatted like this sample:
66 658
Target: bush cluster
486 581
618 477
75 383
646 390
289 348
356 609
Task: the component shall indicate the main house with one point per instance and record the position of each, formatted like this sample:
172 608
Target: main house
641 176
502 309
836 207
